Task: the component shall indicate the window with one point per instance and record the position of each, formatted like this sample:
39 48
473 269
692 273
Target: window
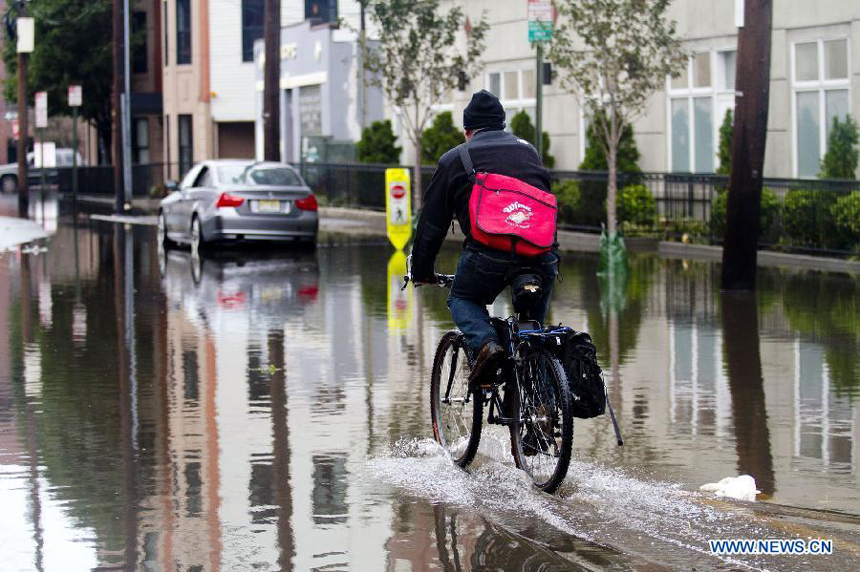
252 27
186 147
728 62
140 44
693 98
495 84
516 90
140 141
820 82
183 31
321 10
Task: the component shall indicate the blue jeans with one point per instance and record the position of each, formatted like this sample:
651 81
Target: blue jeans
483 275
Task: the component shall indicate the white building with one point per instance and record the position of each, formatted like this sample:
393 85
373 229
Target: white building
815 76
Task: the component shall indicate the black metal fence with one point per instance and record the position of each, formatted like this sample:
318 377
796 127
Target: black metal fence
801 215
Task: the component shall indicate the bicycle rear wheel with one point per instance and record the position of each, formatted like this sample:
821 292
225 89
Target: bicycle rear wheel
542 433
456 412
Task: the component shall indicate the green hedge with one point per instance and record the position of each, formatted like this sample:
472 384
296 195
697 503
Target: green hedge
637 206
768 217
808 220
567 193
846 218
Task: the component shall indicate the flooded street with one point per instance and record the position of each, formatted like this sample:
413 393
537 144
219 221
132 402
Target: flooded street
269 410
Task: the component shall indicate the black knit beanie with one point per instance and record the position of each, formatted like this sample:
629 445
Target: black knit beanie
485 111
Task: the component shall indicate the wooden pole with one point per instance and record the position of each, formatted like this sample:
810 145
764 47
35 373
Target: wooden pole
748 147
271 80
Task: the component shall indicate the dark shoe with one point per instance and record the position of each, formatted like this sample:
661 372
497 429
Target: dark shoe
486 364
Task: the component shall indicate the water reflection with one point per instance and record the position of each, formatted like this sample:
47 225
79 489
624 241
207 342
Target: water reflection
167 411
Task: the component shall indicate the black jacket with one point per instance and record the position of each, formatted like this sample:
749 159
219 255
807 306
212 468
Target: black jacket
447 196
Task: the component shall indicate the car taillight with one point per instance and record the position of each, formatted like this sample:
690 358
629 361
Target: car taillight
228 200
309 203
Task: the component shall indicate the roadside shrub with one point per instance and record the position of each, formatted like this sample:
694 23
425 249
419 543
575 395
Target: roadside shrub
840 161
440 137
521 126
637 206
770 205
567 193
378 144
807 218
846 218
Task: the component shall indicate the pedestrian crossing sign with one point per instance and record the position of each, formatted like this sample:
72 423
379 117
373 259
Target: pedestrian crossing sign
398 207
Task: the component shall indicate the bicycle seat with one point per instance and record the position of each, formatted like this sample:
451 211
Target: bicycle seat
526 290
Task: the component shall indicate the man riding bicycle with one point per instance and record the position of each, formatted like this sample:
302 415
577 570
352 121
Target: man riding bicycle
483 272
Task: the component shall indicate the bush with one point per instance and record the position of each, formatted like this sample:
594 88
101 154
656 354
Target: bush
725 151
441 136
378 144
767 218
567 193
840 161
637 206
807 218
521 126
846 218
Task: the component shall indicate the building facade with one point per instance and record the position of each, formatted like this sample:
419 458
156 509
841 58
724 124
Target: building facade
209 78
320 93
815 76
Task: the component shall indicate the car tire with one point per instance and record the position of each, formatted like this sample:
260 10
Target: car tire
163 240
198 240
9 184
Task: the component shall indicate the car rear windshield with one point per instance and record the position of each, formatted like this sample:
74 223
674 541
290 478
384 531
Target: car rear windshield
243 175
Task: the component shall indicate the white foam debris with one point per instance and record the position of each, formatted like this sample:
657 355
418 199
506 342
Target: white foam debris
740 488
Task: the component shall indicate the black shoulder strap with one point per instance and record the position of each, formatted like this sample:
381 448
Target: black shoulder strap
467 161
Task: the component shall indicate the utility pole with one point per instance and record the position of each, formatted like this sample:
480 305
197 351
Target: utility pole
25 40
126 106
748 146
116 105
271 80
362 79
539 102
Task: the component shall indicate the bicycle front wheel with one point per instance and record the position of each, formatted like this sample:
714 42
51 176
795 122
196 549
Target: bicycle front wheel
456 411
542 433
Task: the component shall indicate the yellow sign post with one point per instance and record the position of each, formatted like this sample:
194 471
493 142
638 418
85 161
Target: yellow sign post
399 300
398 207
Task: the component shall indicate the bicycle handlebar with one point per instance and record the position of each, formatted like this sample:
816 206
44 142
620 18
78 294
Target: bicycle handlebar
442 280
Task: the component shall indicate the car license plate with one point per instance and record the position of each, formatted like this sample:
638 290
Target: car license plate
269 206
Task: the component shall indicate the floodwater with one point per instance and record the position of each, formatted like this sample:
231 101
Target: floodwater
269 410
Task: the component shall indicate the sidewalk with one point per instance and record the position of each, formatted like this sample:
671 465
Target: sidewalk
363 221
15 231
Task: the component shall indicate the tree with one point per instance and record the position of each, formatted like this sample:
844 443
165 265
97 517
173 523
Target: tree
417 60
441 136
840 161
724 153
73 46
593 199
614 54
378 144
521 126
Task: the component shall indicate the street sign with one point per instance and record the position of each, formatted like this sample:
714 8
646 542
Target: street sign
75 96
398 207
540 15
26 29
45 155
41 109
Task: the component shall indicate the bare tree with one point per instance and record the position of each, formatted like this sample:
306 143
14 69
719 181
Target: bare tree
416 61
614 55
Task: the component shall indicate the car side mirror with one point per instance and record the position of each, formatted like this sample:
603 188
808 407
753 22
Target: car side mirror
171 185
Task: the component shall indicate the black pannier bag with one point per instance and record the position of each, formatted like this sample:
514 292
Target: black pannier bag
578 356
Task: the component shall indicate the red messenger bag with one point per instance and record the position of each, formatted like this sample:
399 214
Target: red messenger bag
508 214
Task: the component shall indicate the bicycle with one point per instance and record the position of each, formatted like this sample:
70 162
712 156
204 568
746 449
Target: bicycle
530 396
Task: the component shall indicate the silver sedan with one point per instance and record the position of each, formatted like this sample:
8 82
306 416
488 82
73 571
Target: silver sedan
230 200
